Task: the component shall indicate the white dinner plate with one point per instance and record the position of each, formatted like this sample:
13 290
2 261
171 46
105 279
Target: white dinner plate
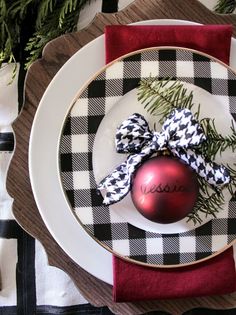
43 156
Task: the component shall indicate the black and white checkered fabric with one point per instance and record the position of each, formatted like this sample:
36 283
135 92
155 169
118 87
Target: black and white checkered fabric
76 157
181 134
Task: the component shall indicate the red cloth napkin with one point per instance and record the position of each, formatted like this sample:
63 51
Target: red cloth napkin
211 39
132 282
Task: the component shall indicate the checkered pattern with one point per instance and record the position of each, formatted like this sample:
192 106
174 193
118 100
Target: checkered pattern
76 157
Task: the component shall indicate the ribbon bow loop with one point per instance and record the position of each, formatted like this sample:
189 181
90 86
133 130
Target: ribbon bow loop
183 129
180 134
132 134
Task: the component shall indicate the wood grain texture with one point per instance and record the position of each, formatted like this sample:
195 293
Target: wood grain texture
55 54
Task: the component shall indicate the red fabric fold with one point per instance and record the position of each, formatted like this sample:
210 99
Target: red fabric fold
135 283
217 275
214 40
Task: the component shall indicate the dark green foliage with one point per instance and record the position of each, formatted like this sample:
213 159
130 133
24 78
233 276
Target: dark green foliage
216 142
159 97
225 6
53 18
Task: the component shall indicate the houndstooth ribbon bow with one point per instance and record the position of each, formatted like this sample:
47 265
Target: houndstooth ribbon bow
180 134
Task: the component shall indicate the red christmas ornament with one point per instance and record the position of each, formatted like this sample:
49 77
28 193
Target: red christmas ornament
164 189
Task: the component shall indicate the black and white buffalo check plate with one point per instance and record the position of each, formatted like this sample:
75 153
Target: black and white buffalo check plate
75 157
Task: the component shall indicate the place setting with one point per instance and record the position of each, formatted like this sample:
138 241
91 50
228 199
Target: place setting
136 179
106 120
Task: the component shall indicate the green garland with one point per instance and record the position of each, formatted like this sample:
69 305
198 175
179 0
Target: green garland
225 6
160 97
53 18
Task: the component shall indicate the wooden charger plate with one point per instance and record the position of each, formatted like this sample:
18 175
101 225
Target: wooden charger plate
55 54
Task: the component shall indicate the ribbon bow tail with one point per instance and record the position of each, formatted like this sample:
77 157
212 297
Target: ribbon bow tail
116 184
131 136
214 174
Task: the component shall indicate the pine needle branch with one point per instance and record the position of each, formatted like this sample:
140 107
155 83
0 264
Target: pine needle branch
55 18
210 201
18 9
216 143
8 36
44 9
209 204
160 97
225 6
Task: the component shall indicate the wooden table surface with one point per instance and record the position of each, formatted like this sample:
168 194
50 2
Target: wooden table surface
55 54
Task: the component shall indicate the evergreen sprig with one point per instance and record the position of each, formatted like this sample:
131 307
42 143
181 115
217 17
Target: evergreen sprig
9 33
160 97
216 143
210 201
44 9
225 6
209 204
53 18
